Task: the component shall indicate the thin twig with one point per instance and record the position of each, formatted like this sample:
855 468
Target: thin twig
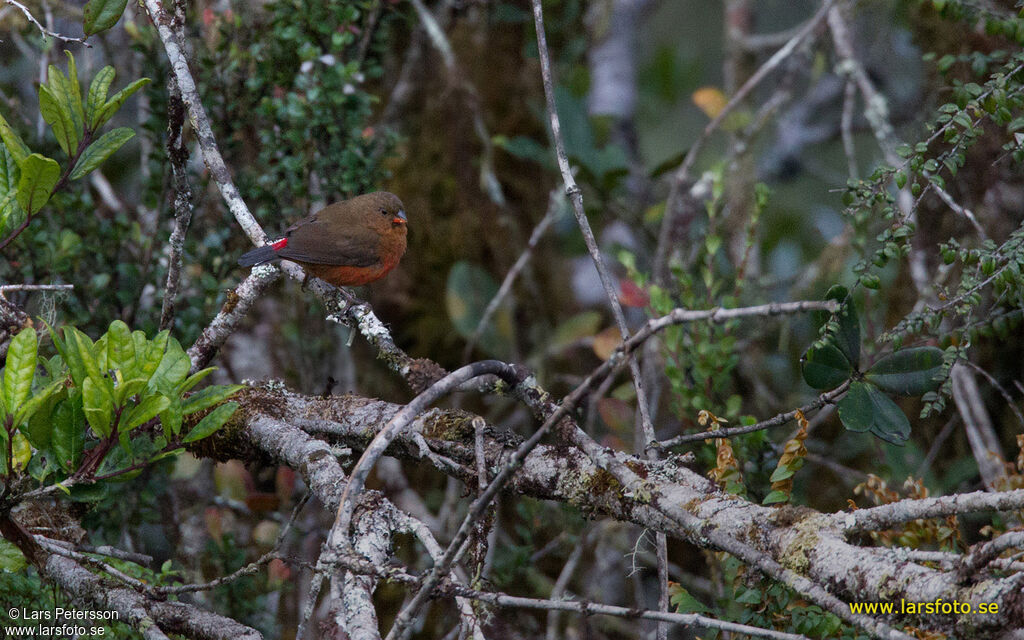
5 288
43 30
576 197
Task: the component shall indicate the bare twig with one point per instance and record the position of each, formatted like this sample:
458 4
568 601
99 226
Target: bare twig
576 197
5 288
43 30
775 421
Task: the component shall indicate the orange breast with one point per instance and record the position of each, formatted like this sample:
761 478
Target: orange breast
343 276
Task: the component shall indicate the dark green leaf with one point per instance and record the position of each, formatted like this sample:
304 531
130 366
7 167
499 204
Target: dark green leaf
147 410
209 397
74 91
12 560
109 109
29 408
908 372
171 418
865 408
848 334
68 438
11 213
99 15
39 175
825 366
56 112
211 422
17 148
97 152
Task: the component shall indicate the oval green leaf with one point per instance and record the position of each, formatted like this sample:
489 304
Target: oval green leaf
211 422
825 366
20 368
96 153
39 175
99 15
866 408
908 372
97 98
15 145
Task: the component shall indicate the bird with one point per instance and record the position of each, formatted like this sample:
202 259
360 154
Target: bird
348 243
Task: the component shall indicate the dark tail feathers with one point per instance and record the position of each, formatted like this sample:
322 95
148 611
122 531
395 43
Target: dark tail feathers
258 255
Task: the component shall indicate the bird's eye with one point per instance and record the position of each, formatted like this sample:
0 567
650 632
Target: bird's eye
384 211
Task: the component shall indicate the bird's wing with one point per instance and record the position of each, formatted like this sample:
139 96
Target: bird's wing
312 240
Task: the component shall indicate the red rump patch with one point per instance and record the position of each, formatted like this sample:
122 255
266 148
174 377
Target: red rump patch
280 244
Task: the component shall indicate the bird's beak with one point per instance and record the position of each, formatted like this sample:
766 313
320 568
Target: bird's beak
400 217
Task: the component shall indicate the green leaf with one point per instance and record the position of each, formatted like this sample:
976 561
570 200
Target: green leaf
68 437
17 148
98 405
56 113
195 379
120 347
684 602
20 368
211 422
68 350
111 107
208 397
39 175
37 400
171 418
172 370
166 454
100 15
848 333
12 560
908 372
146 410
38 421
825 366
97 152
786 472
75 93
866 408
468 291
11 213
87 354
98 96
775 497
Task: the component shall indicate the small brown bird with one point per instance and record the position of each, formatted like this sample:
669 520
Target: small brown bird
348 243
